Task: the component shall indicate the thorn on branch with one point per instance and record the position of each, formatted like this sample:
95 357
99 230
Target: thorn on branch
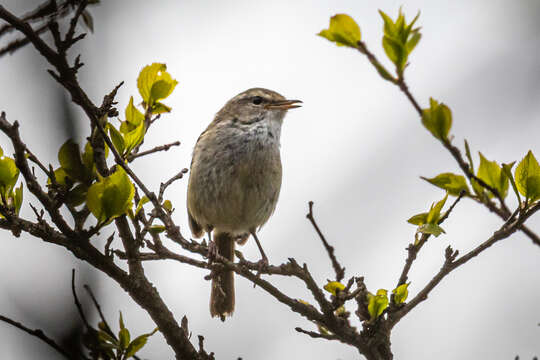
340 271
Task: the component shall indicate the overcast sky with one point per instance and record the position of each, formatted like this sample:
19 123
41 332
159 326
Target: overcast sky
356 148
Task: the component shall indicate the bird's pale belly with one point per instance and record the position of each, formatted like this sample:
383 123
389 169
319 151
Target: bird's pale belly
240 189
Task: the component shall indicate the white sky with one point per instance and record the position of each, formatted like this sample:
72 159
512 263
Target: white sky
356 148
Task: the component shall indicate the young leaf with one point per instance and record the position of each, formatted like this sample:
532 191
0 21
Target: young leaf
117 139
138 343
507 169
8 174
133 116
111 196
124 338
333 286
377 303
343 30
134 138
527 177
418 219
70 160
433 229
143 201
435 212
148 77
17 198
77 195
167 204
492 174
395 51
437 119
400 293
160 108
452 183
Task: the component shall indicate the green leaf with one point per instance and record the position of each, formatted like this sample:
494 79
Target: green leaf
507 169
143 201
435 212
343 30
452 183
146 82
437 119
1 152
138 343
133 116
389 26
77 195
17 198
395 51
70 160
133 138
103 336
62 178
411 44
111 196
492 174
117 139
377 303
418 219
162 88
333 286
432 229
167 204
88 158
124 338
8 174
160 108
527 177
401 293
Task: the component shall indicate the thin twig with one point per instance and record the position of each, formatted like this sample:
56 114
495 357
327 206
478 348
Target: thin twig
98 308
76 299
165 147
340 271
39 334
317 335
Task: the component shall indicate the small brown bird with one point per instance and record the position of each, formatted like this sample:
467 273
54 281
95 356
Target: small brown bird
235 180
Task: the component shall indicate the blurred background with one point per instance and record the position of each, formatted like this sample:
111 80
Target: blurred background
356 148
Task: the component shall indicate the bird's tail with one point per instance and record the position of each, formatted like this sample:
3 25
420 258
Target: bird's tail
222 295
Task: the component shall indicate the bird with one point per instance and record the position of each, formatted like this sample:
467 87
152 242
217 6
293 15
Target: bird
235 180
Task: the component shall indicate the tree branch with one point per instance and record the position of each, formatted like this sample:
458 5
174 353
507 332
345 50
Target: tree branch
39 334
340 270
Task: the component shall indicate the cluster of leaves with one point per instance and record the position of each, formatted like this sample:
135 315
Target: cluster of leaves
112 196
375 303
10 197
428 222
76 173
104 344
525 181
399 39
154 84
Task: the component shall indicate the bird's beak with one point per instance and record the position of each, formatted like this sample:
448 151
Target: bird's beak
284 104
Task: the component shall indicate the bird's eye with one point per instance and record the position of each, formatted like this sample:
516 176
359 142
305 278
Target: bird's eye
257 100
